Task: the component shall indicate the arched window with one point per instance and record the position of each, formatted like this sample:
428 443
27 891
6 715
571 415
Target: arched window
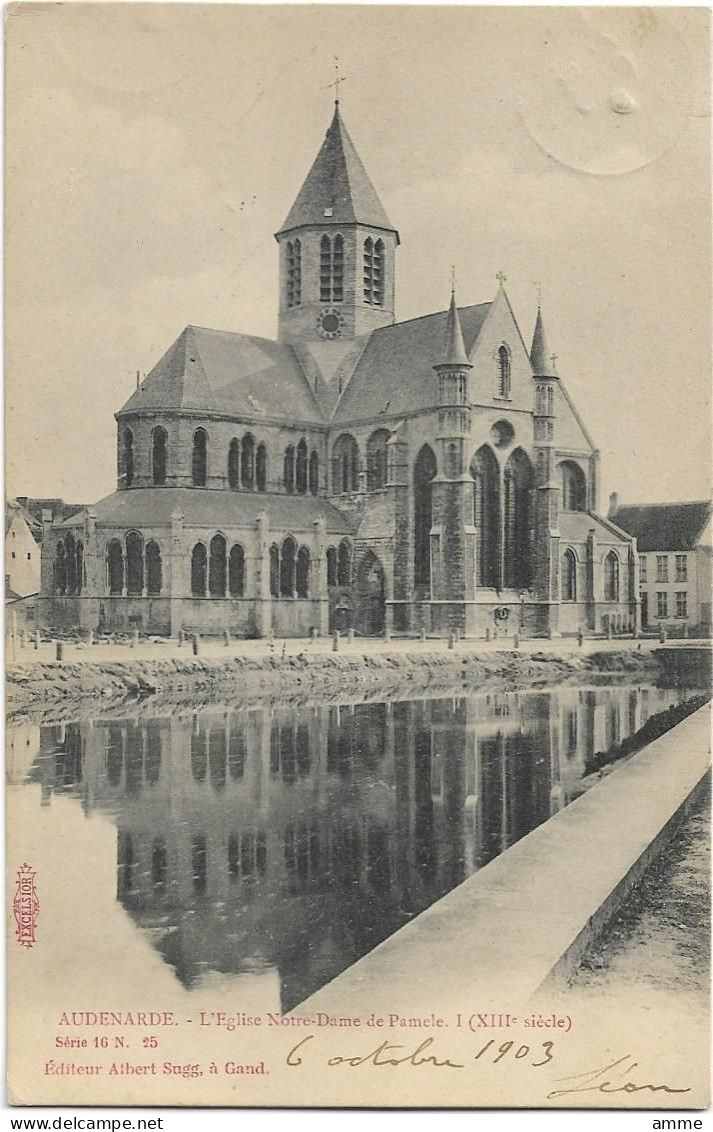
611 577
517 483
261 467
331 270
234 464
423 473
134 563
80 566
274 571
376 459
314 473
128 457
289 469
247 463
288 556
159 455
199 462
217 567
504 371
338 270
368 270
154 572
236 571
115 567
199 570
345 464
70 551
569 576
486 516
294 273
331 566
60 569
574 487
301 468
303 572
344 564
378 274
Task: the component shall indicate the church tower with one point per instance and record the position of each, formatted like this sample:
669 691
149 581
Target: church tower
337 250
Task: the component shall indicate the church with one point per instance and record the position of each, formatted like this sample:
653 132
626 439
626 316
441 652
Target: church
358 472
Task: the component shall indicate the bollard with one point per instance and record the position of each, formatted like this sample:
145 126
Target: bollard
335 641
134 639
59 650
423 634
313 633
196 640
387 635
226 637
451 640
580 638
516 641
90 636
181 638
37 639
487 634
284 649
662 636
350 635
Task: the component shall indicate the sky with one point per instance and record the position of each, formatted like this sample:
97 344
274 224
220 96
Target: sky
153 150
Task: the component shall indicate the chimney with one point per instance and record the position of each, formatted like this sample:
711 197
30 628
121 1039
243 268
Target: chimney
613 505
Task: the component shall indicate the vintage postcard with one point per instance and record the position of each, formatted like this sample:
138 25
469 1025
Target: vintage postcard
358 556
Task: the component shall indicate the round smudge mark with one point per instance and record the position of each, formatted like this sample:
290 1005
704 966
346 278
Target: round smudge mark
612 88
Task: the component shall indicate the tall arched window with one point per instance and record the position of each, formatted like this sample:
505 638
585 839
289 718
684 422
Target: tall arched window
569 576
368 270
199 570
234 464
70 550
301 468
128 457
611 577
345 464
134 563
486 516
314 473
236 571
80 566
331 566
274 571
288 555
504 371
574 487
199 462
294 273
289 469
376 459
217 567
423 473
247 462
261 467
331 270
60 569
344 564
302 582
517 521
159 455
378 274
154 571
115 567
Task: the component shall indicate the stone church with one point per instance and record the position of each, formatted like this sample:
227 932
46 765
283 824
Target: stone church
356 472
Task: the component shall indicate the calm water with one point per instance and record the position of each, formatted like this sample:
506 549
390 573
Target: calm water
291 841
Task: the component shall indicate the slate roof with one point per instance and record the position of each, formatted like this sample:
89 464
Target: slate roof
211 507
395 374
453 353
540 356
229 373
337 189
664 526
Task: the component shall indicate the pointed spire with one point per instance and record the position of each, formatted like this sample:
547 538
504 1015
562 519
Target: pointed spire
337 189
540 357
453 346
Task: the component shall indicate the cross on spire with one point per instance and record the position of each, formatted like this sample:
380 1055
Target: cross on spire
553 359
338 79
501 278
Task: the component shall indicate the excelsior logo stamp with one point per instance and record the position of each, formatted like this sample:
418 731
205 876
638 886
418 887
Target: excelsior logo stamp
26 906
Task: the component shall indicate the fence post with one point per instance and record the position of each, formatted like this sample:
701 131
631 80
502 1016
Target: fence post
335 641
134 639
580 638
516 641
37 639
196 643
451 640
226 637
423 634
59 650
181 638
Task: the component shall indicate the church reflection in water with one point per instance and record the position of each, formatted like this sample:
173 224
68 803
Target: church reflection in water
296 839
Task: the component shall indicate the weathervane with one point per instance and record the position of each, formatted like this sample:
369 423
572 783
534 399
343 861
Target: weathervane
338 79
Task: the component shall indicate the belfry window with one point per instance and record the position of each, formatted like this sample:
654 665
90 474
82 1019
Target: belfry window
424 471
569 576
314 473
199 461
261 468
374 272
294 273
331 270
128 457
247 463
301 468
236 571
503 372
234 464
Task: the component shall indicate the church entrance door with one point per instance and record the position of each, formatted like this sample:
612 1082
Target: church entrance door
370 611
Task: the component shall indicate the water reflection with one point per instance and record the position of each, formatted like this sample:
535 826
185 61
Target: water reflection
296 839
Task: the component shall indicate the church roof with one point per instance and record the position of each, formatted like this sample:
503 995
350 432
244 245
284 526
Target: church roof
212 508
540 357
337 189
664 526
453 349
395 375
228 373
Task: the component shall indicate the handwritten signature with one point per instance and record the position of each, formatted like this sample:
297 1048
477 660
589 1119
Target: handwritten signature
599 1081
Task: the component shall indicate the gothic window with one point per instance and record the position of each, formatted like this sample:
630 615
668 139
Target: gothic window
115 567
236 571
423 473
247 463
70 550
234 464
574 487
288 555
331 566
80 566
289 469
345 464
128 457
159 455
486 516
60 569
331 270
611 577
504 371
344 564
569 576
294 273
274 571
314 473
303 572
134 563
301 468
517 521
217 567
154 575
378 274
376 459
261 468
368 270
199 462
199 570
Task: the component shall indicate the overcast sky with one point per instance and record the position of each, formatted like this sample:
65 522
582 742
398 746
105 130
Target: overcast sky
152 151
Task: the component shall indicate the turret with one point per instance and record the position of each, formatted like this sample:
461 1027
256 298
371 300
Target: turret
453 396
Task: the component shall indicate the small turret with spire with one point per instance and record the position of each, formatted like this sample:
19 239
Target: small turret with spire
453 393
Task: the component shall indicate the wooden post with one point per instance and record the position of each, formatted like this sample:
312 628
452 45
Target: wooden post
134 638
335 641
516 641
196 640
37 639
350 636
423 634
59 650
226 637
451 641
580 638
181 638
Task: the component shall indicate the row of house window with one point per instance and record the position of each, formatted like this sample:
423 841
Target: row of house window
247 462
662 568
569 579
69 566
681 600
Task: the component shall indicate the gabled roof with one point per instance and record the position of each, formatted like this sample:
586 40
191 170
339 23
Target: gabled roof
229 373
337 189
395 373
664 526
15 510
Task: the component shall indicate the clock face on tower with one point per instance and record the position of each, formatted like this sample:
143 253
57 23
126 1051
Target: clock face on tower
330 323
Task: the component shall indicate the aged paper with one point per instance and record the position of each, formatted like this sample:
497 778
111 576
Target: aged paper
358 550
